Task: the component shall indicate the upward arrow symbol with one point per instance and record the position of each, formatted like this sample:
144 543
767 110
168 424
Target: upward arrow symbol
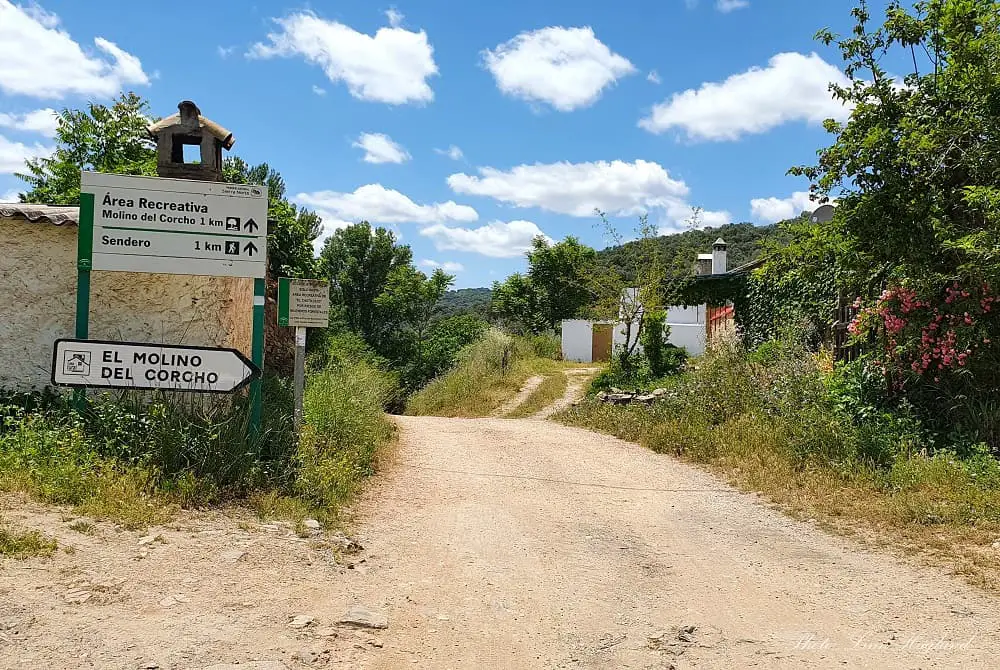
250 225
250 248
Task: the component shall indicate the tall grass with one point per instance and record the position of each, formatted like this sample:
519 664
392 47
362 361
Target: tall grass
137 458
774 421
345 429
487 373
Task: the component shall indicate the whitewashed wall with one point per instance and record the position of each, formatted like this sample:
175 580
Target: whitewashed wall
38 303
691 336
577 341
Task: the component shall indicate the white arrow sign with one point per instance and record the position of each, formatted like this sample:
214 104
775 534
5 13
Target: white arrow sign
132 365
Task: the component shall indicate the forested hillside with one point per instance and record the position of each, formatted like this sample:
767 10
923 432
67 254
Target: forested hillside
679 251
465 301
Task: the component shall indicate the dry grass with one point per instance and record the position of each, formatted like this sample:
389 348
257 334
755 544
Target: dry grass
551 389
488 374
928 519
24 544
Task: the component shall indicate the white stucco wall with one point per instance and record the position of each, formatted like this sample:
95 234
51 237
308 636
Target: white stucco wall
686 314
688 335
577 342
619 336
38 303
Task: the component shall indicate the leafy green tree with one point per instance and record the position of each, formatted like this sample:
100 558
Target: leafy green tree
100 139
517 304
407 309
556 287
358 261
914 169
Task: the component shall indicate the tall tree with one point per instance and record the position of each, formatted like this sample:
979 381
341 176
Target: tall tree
556 287
407 309
99 138
358 261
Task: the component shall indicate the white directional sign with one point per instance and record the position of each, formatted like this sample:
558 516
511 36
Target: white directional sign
173 226
131 365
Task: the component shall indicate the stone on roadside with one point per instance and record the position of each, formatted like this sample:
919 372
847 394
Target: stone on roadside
312 524
232 556
301 621
659 393
361 617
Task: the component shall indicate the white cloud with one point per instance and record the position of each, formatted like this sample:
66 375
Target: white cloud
40 60
225 52
379 148
447 266
793 87
451 152
42 121
13 154
726 6
318 90
567 68
395 17
773 210
654 77
576 189
391 67
497 239
380 205
10 196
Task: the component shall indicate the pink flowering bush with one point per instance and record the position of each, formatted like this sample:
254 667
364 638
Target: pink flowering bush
943 339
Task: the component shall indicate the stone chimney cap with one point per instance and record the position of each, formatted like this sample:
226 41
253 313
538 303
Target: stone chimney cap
190 116
720 242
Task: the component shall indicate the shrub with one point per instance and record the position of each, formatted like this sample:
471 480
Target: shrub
344 429
653 337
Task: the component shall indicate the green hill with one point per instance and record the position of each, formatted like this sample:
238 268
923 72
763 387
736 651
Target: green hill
465 301
680 250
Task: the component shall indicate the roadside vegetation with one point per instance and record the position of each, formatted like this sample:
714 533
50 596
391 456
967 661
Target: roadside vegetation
24 543
486 374
137 459
783 422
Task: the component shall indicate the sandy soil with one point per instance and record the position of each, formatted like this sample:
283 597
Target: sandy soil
529 387
576 382
493 543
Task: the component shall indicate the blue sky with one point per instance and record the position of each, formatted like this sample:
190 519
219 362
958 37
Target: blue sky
466 127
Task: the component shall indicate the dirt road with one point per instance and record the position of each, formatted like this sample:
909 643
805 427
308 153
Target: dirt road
494 543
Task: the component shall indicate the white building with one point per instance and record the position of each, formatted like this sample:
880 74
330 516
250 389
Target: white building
589 341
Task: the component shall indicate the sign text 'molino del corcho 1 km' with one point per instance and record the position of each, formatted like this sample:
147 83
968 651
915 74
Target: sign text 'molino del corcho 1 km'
177 226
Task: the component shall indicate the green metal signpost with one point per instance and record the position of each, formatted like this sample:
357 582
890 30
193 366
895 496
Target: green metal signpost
174 226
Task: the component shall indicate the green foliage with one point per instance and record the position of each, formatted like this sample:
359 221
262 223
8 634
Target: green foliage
24 544
544 345
556 287
654 338
344 431
466 301
99 139
474 386
357 261
677 253
409 305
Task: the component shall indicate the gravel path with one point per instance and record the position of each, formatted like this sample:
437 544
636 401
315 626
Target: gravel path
493 543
